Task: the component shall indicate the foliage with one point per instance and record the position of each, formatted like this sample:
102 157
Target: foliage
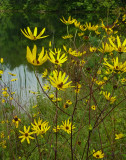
55 5
78 109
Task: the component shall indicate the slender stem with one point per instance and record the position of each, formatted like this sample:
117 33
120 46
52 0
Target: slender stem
40 154
89 120
75 35
75 107
67 30
56 123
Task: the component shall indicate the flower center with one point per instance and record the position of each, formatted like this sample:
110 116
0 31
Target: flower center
66 106
37 62
34 37
119 49
60 85
56 61
68 101
97 156
26 134
67 127
39 126
116 67
16 119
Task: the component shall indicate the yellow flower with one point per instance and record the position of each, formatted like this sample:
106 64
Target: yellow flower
108 30
97 32
93 49
1 72
4 89
57 99
82 62
67 126
51 96
12 93
107 72
124 17
33 92
34 106
119 47
75 52
46 87
31 56
109 98
66 105
105 78
26 135
56 51
118 136
11 74
67 36
77 89
117 66
11 98
45 73
2 122
5 94
59 59
50 44
12 80
80 34
98 154
106 48
91 28
40 127
69 21
16 121
82 28
1 60
93 107
99 72
34 115
56 129
123 80
2 135
3 100
99 82
112 38
59 80
77 24
69 102
33 36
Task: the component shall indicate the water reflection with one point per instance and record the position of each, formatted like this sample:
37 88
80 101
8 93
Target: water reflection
26 82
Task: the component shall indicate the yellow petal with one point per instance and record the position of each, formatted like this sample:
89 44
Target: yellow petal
118 42
35 31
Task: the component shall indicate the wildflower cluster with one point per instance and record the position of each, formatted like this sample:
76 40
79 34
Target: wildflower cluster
66 126
38 128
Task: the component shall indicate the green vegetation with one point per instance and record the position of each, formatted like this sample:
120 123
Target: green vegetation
62 5
78 109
